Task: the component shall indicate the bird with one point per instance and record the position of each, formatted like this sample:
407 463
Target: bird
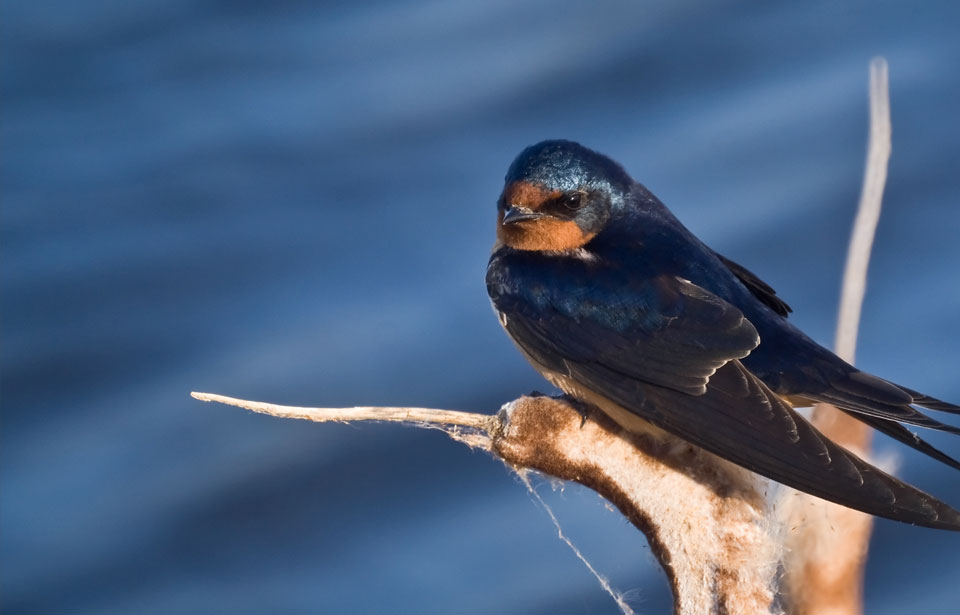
616 303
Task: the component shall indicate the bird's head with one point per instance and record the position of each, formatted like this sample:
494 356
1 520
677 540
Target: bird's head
558 196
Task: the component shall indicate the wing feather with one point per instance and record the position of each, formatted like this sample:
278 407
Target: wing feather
668 351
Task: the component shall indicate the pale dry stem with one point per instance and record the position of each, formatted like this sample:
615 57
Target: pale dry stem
826 553
704 518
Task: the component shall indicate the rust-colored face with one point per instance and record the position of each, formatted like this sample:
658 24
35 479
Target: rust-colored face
545 233
525 194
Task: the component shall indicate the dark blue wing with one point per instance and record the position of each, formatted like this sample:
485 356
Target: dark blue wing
667 351
661 330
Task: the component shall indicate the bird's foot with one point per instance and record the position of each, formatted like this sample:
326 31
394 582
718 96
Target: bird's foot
583 408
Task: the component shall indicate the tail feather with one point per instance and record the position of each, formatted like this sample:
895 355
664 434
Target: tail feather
902 434
902 414
864 394
931 402
883 405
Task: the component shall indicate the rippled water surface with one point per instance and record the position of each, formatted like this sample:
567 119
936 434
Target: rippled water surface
294 201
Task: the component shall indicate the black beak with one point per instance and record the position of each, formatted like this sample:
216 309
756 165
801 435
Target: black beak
520 214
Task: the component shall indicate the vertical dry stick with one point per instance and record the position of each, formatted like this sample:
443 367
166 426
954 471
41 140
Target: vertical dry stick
868 213
827 552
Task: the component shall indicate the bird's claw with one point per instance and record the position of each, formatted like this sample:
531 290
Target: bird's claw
583 408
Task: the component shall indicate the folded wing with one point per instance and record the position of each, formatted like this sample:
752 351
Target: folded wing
667 351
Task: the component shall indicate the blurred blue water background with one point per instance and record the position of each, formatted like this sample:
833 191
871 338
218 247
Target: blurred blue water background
294 202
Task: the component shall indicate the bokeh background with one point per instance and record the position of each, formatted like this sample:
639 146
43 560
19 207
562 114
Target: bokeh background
294 202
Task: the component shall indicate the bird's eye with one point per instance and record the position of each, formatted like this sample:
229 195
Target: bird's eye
574 200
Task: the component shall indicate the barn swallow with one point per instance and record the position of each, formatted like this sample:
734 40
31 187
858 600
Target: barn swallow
620 306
